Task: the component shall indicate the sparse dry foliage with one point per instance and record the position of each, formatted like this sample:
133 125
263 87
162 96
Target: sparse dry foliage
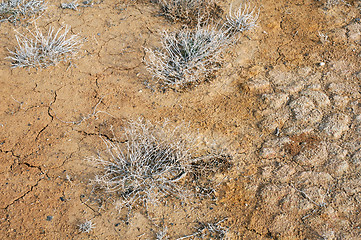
187 56
162 235
191 12
209 231
15 10
190 56
70 5
242 19
150 163
40 51
86 226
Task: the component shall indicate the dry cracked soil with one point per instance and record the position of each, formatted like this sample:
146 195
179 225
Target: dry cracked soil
286 105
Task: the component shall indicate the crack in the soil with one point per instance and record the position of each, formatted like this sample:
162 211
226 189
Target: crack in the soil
96 212
22 196
96 134
37 136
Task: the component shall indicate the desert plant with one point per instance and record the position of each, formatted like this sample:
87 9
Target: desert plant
209 231
150 163
70 5
242 19
190 11
38 50
86 226
187 56
162 235
14 10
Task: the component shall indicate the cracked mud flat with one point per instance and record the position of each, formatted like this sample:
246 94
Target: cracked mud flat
292 126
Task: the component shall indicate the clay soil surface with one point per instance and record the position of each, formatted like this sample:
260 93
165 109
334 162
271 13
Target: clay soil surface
286 106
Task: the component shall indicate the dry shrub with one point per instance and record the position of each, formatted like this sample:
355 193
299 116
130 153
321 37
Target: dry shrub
40 51
15 10
152 162
187 56
242 19
190 12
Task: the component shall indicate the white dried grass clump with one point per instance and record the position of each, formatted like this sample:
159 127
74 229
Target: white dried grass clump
243 19
209 231
162 235
187 56
87 226
38 50
71 5
148 165
13 10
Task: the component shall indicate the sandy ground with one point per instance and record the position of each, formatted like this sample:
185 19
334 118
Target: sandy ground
293 126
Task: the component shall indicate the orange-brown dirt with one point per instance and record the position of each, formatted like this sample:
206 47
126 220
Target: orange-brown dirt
291 125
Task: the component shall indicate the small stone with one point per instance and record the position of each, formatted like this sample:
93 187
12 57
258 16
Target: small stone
315 156
301 107
285 173
340 101
258 86
274 120
358 75
358 118
49 218
315 87
304 71
335 125
274 148
337 88
321 64
338 35
280 76
268 153
293 87
356 159
275 101
354 31
320 98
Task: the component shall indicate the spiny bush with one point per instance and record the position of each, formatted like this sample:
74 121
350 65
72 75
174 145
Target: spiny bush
40 51
70 5
14 10
190 11
242 19
209 231
86 226
190 56
187 56
150 163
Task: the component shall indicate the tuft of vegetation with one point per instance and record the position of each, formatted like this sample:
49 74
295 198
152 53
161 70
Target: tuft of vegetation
151 163
15 10
191 12
70 5
187 56
162 235
86 226
240 20
209 231
40 51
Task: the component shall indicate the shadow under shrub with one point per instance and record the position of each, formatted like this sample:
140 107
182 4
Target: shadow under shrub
190 12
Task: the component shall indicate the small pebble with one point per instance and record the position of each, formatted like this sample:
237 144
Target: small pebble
49 218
